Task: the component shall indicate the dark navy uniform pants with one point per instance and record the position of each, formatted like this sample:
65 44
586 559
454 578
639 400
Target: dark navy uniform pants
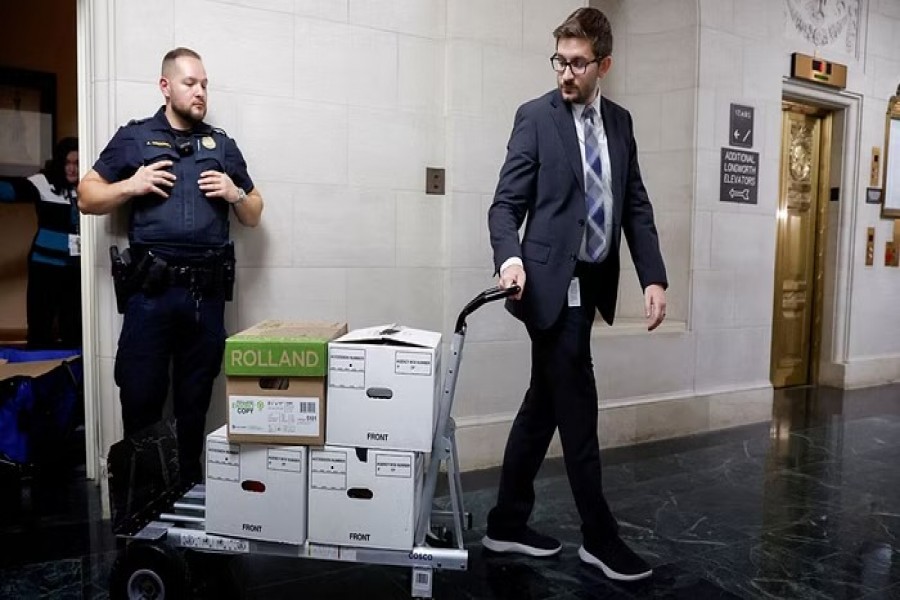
164 332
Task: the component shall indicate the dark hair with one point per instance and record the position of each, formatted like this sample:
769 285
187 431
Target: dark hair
590 24
55 171
171 55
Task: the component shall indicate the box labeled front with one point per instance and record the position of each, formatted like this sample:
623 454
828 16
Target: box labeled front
384 388
276 410
281 348
256 491
364 497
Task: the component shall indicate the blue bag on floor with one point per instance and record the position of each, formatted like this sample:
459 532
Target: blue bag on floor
40 403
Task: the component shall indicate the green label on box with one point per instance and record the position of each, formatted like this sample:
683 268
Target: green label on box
275 348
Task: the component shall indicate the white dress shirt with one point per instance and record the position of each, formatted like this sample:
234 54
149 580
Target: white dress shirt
605 178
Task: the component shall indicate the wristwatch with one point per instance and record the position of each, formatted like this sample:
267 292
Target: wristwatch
242 195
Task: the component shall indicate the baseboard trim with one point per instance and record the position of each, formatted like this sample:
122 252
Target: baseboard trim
482 438
861 372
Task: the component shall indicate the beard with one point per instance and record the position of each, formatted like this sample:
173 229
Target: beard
574 93
190 113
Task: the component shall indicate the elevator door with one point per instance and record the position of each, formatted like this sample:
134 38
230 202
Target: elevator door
796 324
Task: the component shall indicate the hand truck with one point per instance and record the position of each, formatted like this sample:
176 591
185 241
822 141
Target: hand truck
154 518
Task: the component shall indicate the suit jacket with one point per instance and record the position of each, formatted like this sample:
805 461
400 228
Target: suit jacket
543 179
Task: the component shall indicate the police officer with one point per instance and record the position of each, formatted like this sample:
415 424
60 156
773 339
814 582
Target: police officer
180 178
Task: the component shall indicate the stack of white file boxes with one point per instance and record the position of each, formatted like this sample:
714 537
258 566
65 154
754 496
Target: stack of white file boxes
359 484
257 465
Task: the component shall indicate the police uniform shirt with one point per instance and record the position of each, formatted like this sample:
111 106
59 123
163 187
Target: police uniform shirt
187 216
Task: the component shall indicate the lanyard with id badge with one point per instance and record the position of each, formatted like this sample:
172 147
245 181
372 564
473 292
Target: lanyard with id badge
574 294
74 238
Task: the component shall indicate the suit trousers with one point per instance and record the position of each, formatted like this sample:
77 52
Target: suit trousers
562 394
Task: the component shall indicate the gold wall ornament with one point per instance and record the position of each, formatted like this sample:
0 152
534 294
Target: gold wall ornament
870 246
800 154
890 206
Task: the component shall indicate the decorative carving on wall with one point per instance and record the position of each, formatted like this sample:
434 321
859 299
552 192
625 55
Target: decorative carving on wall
801 153
823 22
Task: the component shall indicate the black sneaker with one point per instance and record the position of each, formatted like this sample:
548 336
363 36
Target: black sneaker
616 560
528 542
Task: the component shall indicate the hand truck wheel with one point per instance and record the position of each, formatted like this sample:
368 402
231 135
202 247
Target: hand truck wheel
149 572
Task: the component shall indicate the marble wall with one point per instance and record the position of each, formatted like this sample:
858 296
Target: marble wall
745 50
340 105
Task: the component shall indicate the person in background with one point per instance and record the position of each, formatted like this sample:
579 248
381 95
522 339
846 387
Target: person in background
180 180
54 262
571 173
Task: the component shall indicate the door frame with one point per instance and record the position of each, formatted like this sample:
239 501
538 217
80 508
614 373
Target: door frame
93 19
89 304
833 359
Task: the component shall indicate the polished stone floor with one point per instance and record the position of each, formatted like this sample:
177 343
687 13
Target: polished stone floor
807 506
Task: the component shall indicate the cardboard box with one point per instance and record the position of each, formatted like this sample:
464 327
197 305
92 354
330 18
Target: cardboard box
256 491
275 382
384 388
364 497
276 410
281 348
27 369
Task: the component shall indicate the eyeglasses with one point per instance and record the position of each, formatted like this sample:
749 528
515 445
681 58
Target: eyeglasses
579 65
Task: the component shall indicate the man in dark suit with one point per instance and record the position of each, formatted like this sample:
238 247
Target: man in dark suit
572 171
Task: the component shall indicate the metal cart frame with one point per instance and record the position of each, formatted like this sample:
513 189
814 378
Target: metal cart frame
182 524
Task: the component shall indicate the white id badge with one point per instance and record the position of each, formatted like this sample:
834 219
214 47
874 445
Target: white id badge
74 244
575 292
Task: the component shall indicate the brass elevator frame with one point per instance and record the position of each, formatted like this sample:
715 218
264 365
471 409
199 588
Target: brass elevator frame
809 374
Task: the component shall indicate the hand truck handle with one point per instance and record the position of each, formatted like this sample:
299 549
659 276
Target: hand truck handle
488 295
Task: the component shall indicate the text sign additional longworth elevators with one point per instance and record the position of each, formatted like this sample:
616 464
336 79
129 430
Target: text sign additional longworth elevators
739 177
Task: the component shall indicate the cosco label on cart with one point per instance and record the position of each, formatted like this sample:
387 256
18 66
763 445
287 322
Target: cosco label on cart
215 543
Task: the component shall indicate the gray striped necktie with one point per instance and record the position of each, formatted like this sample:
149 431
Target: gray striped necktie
595 235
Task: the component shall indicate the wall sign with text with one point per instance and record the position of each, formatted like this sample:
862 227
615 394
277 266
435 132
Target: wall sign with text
740 130
739 176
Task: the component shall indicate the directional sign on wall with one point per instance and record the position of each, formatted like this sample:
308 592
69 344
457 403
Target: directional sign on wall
739 178
740 132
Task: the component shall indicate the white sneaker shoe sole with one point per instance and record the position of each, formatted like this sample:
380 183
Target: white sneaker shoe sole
592 560
515 547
